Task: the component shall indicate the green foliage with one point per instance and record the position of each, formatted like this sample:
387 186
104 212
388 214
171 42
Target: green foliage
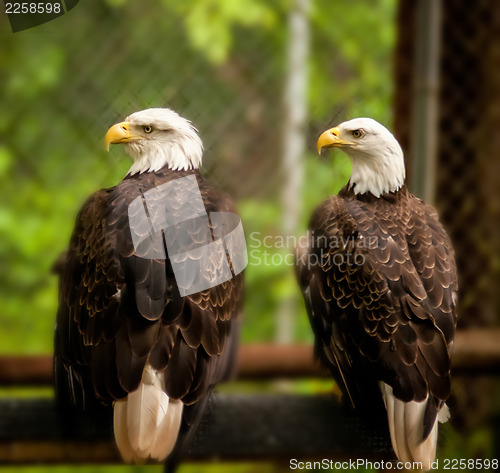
270 274
476 444
214 467
354 75
66 81
220 63
85 469
210 23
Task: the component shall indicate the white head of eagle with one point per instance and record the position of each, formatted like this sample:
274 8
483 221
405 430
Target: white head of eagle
385 325
377 159
158 137
126 336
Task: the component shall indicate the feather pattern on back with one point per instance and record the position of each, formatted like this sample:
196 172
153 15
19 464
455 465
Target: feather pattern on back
124 334
379 281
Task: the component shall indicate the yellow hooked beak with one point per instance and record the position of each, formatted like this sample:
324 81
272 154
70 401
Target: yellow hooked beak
330 138
119 133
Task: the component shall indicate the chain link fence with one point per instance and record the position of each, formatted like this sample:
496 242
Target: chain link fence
64 83
467 167
222 65
117 60
468 162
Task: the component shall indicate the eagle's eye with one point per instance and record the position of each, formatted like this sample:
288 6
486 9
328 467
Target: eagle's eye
358 133
148 129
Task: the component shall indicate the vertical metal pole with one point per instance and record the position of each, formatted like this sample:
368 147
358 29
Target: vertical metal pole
294 141
425 99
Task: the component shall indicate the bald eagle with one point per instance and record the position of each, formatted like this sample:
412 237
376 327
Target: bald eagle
379 280
131 330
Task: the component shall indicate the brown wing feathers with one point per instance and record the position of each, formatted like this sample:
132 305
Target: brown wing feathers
118 311
397 306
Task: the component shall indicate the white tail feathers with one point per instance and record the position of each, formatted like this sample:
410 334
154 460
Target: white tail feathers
406 426
147 422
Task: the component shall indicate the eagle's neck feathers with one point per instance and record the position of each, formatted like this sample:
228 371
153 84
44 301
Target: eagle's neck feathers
393 198
180 154
377 173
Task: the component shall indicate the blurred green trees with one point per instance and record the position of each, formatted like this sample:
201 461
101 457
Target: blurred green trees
219 63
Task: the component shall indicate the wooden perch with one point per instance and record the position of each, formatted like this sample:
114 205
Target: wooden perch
476 351
234 427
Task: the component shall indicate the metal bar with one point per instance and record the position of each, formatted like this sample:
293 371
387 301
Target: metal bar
294 143
476 351
234 427
425 99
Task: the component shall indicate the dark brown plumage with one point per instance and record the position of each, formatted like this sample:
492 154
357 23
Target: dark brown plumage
119 312
379 281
